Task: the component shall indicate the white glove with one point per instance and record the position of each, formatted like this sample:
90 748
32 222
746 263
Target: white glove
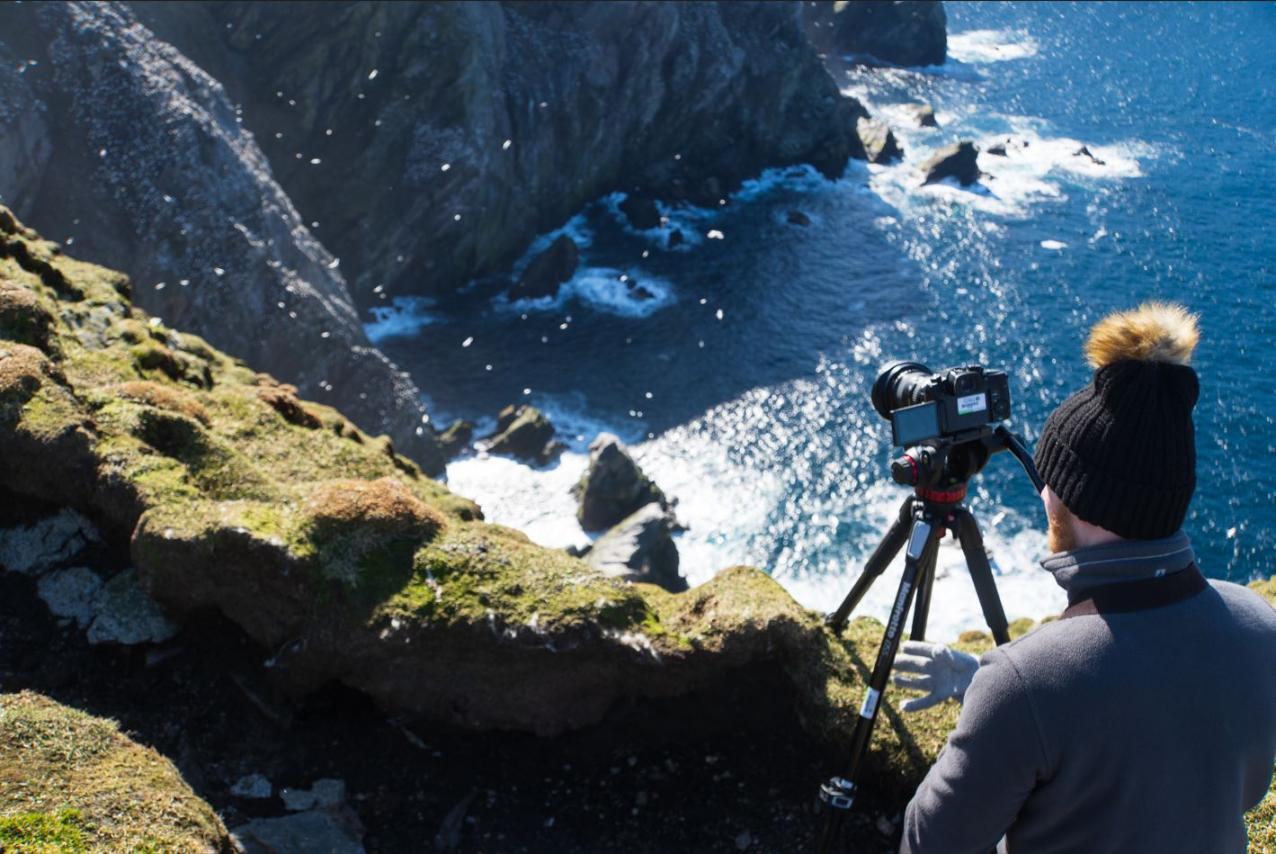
941 672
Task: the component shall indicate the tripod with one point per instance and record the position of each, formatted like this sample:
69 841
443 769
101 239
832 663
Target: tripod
923 519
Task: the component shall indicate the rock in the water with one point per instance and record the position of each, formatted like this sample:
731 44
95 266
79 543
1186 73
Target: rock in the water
524 432
613 486
797 218
127 615
52 541
911 32
456 438
879 142
304 833
1084 151
640 548
924 114
997 149
71 593
642 293
959 161
675 238
548 270
254 786
641 211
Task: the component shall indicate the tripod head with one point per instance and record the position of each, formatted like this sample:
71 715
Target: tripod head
939 469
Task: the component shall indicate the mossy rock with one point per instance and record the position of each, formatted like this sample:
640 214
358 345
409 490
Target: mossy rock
73 782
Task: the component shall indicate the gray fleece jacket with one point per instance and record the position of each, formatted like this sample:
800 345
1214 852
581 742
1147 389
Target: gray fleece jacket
1126 729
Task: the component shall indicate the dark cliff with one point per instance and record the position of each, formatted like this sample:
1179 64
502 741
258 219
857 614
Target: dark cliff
893 32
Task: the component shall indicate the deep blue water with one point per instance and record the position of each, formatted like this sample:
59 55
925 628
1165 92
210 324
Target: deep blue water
760 420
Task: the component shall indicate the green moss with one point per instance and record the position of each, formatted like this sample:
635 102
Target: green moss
50 412
1261 823
38 833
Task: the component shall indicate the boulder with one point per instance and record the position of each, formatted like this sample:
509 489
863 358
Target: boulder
641 211
524 432
71 594
47 543
879 142
613 486
551 268
996 149
1084 151
124 614
331 831
640 548
456 438
903 32
797 218
923 114
959 160
675 238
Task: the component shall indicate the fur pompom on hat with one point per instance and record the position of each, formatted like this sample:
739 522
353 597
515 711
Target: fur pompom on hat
1121 452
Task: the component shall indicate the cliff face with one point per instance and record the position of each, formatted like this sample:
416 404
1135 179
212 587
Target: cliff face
450 134
137 158
895 32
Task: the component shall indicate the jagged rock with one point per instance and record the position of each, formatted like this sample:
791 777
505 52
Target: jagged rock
126 615
1084 151
640 548
641 211
879 142
322 793
613 486
100 790
797 218
959 160
71 593
911 32
524 432
924 114
151 171
252 786
50 542
548 270
327 831
456 438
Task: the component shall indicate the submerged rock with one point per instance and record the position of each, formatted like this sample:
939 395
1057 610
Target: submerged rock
675 238
524 432
50 542
640 548
551 268
613 486
959 160
923 114
641 211
879 142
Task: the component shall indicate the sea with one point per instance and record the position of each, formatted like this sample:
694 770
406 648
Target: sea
741 382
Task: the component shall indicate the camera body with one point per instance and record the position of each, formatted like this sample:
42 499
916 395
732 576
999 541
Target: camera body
922 405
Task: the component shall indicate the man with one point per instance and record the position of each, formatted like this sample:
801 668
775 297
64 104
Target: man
1144 720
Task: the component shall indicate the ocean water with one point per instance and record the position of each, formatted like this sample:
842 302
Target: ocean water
742 383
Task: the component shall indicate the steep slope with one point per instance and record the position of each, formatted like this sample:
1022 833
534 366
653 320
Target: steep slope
135 156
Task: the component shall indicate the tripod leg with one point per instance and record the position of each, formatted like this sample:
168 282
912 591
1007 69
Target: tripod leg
839 793
925 586
877 563
972 545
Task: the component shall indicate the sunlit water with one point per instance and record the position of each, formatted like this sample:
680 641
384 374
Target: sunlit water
743 383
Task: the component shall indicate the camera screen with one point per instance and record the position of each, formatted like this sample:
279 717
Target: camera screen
915 423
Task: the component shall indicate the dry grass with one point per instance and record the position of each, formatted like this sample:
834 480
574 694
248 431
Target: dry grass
69 781
162 397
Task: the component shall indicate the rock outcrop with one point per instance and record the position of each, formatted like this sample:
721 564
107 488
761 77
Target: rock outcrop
880 145
456 132
73 782
892 32
923 114
640 547
548 270
613 486
958 161
524 432
151 171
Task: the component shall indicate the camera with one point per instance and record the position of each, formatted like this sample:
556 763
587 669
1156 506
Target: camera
922 405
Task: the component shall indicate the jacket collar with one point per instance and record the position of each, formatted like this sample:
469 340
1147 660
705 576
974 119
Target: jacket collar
1126 560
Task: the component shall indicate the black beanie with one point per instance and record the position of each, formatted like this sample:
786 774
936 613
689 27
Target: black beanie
1121 452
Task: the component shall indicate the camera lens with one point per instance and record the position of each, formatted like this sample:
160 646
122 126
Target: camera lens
900 384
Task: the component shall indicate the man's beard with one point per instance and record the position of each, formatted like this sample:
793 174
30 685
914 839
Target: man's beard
1060 536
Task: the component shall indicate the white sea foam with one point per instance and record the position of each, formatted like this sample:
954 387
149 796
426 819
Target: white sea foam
404 317
1053 244
979 46
602 289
